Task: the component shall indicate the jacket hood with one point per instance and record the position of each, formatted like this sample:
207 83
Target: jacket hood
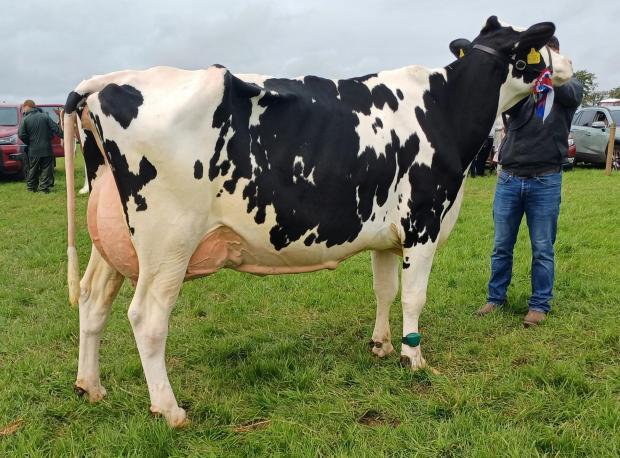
33 110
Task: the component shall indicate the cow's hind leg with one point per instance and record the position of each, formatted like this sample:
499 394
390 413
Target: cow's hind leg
99 287
156 292
385 284
417 262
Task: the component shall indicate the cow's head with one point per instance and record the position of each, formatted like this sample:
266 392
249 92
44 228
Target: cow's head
524 52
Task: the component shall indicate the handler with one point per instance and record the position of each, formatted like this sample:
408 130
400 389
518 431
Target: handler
530 182
36 131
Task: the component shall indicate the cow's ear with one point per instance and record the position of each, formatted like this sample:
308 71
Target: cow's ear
491 24
536 36
460 47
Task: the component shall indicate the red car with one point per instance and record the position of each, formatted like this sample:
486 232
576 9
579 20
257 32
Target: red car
572 152
11 148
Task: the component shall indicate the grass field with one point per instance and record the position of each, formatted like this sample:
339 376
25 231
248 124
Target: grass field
280 365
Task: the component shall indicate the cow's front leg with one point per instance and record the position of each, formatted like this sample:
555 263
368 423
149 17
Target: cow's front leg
98 288
417 262
156 292
385 284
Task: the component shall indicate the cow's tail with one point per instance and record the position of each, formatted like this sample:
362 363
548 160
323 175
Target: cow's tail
73 266
69 127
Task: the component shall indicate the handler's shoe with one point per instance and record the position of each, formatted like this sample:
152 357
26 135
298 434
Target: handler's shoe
533 318
486 309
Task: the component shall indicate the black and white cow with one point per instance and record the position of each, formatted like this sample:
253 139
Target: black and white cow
193 171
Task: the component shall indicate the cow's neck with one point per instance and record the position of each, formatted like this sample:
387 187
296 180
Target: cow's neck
468 101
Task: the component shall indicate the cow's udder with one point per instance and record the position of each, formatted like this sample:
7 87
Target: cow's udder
221 247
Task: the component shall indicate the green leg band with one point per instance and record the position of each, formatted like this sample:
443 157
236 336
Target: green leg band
412 339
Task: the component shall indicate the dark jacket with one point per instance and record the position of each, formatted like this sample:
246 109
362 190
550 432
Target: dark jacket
36 131
532 146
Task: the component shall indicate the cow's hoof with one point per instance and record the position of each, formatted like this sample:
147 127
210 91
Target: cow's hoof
176 418
95 393
381 349
79 390
412 358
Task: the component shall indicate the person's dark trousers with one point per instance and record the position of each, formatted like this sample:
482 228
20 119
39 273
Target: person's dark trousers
25 165
40 173
479 163
53 168
539 198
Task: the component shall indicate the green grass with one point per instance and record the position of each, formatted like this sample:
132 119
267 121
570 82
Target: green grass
292 350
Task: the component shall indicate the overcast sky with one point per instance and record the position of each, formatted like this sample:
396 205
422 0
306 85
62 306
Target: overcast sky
50 46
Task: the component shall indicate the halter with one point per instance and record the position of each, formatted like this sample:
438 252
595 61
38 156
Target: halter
519 64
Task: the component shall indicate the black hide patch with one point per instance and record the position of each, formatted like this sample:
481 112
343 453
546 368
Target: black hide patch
309 166
120 102
456 137
93 158
433 187
73 100
128 183
530 73
97 122
198 170
381 95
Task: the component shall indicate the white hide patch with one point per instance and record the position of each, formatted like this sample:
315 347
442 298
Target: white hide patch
412 81
224 153
253 78
505 24
306 176
257 110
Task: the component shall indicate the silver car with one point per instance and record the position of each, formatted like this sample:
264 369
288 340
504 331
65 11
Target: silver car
590 130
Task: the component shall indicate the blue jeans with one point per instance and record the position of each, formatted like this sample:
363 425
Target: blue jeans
539 198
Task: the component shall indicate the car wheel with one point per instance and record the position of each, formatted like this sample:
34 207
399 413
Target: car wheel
615 160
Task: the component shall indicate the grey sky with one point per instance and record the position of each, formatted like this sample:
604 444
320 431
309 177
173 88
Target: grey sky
50 46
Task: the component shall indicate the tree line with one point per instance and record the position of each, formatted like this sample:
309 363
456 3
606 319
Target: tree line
591 94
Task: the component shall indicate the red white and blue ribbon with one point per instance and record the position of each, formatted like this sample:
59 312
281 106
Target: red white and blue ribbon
543 94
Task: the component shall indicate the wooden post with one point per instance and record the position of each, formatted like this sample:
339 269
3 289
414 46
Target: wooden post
610 148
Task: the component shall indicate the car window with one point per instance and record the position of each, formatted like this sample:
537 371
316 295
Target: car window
8 116
616 115
600 116
586 118
52 112
576 119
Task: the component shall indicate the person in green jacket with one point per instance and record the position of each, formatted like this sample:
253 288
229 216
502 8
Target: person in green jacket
36 131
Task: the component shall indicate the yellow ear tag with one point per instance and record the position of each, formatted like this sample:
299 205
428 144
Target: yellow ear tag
533 57
461 53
